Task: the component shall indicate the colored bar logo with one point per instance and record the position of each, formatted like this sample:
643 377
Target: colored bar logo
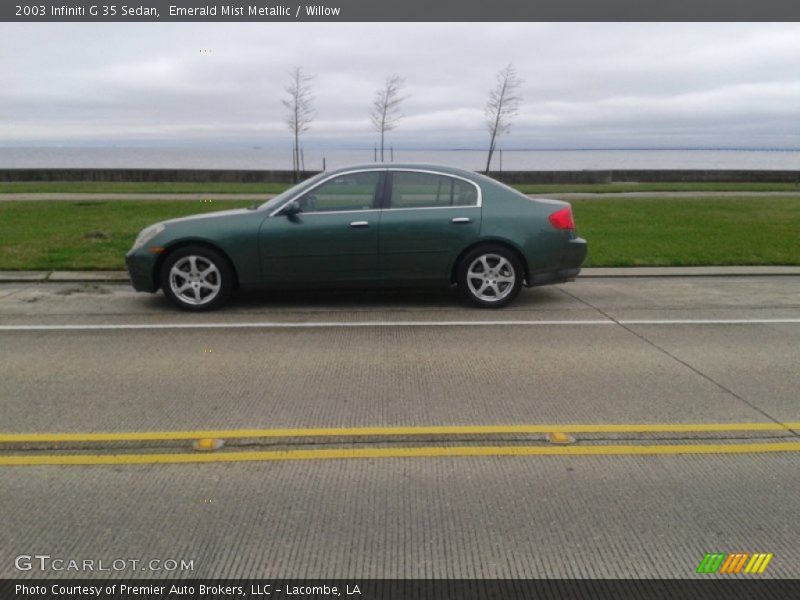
734 563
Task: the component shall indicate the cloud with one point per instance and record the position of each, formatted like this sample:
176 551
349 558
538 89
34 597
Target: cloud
585 85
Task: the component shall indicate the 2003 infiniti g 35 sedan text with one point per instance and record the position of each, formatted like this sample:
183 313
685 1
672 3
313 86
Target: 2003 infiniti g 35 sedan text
389 225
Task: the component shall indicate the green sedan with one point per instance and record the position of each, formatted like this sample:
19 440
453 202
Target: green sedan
388 225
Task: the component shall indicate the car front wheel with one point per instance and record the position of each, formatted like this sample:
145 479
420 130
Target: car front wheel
196 278
489 276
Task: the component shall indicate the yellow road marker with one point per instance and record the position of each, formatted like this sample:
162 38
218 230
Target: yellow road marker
394 431
416 452
207 444
560 437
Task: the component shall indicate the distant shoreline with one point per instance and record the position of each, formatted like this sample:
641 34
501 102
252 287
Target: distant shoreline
247 158
517 176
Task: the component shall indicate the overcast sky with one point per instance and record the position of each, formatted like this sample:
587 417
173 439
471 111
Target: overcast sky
585 85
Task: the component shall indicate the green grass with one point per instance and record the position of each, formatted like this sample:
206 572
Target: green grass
621 231
53 234
606 188
102 187
108 187
690 232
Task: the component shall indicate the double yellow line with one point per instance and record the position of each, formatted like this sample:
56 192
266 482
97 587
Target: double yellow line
126 436
398 452
426 451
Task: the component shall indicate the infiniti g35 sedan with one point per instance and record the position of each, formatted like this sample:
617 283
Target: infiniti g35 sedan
387 225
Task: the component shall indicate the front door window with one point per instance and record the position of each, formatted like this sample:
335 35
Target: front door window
350 191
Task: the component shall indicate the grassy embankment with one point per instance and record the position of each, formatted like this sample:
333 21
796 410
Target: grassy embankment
154 187
621 231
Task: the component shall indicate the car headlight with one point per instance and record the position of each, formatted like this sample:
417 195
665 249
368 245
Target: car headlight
147 234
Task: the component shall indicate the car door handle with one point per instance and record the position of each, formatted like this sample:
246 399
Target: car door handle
359 224
461 220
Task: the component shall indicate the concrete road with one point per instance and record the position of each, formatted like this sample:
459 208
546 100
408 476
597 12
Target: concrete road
82 358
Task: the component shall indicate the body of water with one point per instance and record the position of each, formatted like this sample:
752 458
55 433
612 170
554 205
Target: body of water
268 158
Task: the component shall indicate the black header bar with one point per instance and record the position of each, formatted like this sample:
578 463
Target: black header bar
99 11
702 588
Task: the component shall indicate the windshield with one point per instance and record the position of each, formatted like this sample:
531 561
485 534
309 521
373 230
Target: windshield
292 191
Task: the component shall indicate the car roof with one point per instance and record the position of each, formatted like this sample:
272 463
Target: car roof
412 166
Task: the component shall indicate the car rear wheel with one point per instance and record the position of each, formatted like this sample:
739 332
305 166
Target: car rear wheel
196 278
489 276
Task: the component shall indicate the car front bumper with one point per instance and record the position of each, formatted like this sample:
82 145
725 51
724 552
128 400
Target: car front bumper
141 268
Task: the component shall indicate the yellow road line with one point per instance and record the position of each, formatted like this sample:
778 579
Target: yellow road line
394 431
417 452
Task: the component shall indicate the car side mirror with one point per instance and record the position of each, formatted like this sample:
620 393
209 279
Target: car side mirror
292 209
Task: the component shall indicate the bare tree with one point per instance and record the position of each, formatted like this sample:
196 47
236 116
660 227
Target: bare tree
503 104
299 101
386 107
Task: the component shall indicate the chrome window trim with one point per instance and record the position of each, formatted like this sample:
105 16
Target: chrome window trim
434 207
323 181
340 212
479 203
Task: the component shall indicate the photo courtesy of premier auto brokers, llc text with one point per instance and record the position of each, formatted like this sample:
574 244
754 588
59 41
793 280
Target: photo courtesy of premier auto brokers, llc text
400 302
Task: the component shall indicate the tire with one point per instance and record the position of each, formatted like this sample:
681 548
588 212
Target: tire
196 278
489 276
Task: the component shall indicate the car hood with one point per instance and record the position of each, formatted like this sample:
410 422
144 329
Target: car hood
211 215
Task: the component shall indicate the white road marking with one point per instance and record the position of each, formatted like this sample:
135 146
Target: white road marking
328 324
702 321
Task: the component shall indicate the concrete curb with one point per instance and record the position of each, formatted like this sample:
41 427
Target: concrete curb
64 276
735 271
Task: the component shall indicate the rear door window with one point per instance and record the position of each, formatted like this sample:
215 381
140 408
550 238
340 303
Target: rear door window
413 189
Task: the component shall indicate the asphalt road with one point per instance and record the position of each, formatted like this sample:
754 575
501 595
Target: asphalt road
97 358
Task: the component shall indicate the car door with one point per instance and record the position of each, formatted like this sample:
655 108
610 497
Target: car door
428 219
334 237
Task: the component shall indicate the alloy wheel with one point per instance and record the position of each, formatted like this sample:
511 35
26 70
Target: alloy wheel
195 280
491 277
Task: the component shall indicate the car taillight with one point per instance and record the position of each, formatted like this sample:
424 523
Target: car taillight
562 219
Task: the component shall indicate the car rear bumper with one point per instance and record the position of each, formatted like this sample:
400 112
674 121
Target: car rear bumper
574 253
572 257
560 276
141 267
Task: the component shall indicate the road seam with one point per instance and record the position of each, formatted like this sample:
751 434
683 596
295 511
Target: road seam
14 292
624 325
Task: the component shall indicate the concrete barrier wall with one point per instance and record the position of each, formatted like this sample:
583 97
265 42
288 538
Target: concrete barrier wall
154 175
541 177
647 176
